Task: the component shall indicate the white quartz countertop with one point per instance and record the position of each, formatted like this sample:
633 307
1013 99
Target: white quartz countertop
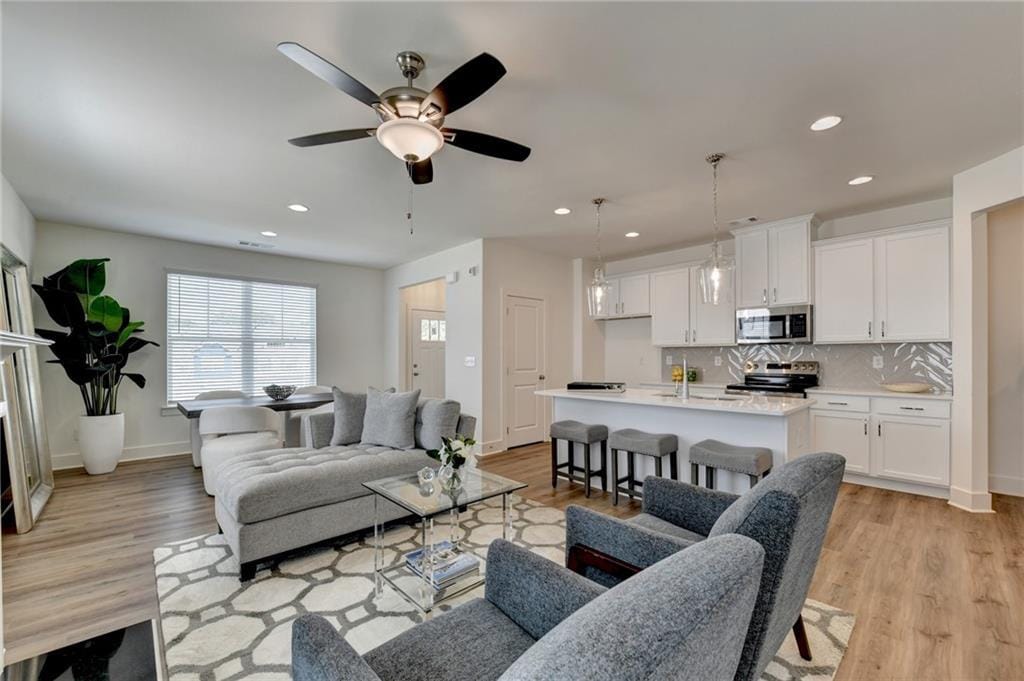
738 404
877 392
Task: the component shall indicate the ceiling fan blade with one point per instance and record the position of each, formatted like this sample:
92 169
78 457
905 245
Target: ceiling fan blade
332 137
327 71
485 144
421 172
465 84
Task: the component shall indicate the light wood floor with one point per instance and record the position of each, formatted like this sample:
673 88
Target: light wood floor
938 593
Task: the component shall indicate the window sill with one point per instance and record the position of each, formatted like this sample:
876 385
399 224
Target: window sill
170 410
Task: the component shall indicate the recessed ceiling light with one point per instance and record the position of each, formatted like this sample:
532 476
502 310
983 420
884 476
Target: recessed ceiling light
632 235
298 207
825 123
863 179
562 211
269 233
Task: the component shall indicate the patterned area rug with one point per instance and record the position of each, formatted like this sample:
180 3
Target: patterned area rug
215 629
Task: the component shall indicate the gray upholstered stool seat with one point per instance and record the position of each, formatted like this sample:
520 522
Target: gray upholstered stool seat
755 462
586 434
574 431
633 442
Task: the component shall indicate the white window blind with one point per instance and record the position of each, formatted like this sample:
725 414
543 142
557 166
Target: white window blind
236 334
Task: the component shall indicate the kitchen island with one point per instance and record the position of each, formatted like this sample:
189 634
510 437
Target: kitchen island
781 424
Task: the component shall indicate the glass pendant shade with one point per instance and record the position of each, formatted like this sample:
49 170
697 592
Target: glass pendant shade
597 295
716 278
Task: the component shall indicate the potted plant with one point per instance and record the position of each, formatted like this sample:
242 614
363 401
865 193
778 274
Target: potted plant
93 349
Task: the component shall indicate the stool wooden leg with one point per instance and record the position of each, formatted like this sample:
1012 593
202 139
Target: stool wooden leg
765 474
753 480
615 477
632 482
673 465
694 474
586 469
554 463
709 477
802 644
604 465
657 466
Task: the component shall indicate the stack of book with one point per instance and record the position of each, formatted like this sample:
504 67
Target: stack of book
449 565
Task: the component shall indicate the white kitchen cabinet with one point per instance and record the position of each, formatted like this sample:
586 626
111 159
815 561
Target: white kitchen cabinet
911 449
789 252
843 291
679 316
893 287
912 285
635 295
752 268
670 308
773 263
843 433
710 324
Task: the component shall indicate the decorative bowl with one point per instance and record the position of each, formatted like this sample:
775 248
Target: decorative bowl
910 387
278 392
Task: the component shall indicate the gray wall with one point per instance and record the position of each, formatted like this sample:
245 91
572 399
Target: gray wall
350 316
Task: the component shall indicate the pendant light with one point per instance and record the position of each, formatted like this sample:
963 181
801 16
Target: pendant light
716 273
599 289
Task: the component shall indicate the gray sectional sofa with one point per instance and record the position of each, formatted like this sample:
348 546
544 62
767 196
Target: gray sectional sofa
272 502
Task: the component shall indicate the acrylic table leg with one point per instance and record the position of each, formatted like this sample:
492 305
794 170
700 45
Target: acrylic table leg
428 564
506 518
455 532
378 548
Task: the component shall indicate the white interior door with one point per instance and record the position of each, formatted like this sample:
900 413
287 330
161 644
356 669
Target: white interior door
428 330
524 357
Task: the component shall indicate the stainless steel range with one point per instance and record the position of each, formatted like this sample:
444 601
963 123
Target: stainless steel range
783 379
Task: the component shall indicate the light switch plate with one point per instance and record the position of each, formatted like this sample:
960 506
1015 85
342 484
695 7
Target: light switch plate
718 361
469 361
668 360
877 362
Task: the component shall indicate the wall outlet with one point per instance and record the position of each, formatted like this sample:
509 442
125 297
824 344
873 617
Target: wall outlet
668 360
877 362
718 361
469 361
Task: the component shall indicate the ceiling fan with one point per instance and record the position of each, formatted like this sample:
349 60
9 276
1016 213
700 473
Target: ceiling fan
411 119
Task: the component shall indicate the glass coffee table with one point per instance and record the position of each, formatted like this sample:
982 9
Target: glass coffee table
431 574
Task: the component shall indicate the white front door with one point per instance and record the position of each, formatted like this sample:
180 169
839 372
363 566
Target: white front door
525 361
428 331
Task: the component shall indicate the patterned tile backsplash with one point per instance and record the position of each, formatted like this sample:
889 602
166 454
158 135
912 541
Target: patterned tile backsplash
842 366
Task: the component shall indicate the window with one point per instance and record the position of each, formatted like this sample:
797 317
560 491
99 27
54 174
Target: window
236 334
432 330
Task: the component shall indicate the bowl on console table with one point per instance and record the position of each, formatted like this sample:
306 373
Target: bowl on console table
278 392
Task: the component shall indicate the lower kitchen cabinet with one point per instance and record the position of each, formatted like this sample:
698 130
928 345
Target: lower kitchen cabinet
912 449
845 434
885 438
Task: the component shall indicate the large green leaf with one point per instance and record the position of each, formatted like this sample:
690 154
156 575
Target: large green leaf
135 343
106 311
88 276
127 331
137 379
63 306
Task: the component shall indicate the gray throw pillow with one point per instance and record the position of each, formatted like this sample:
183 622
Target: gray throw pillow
349 409
390 419
436 419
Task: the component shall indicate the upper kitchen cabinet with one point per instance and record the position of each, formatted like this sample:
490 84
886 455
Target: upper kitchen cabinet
773 263
679 317
892 287
629 296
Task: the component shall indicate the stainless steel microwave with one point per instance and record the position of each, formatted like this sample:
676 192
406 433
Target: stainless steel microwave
790 324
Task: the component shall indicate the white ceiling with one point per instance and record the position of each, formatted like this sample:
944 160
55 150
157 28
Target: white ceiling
171 119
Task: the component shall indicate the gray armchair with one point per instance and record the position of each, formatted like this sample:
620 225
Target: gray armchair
787 513
684 618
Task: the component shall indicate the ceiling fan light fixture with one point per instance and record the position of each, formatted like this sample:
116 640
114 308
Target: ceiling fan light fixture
409 139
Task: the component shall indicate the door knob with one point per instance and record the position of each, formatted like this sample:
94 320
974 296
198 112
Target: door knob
415 373
542 377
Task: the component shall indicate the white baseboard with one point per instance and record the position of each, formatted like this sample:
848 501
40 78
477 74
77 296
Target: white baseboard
157 451
897 485
491 448
974 502
1006 484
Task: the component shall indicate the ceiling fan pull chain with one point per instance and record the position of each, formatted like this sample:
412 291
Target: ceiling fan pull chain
408 212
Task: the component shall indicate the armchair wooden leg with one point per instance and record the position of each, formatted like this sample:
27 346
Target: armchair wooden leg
802 644
579 558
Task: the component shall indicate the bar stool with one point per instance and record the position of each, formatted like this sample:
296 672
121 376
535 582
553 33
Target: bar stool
586 434
633 442
755 462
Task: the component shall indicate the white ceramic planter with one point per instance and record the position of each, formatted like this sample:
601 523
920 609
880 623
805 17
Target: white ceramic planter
101 441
